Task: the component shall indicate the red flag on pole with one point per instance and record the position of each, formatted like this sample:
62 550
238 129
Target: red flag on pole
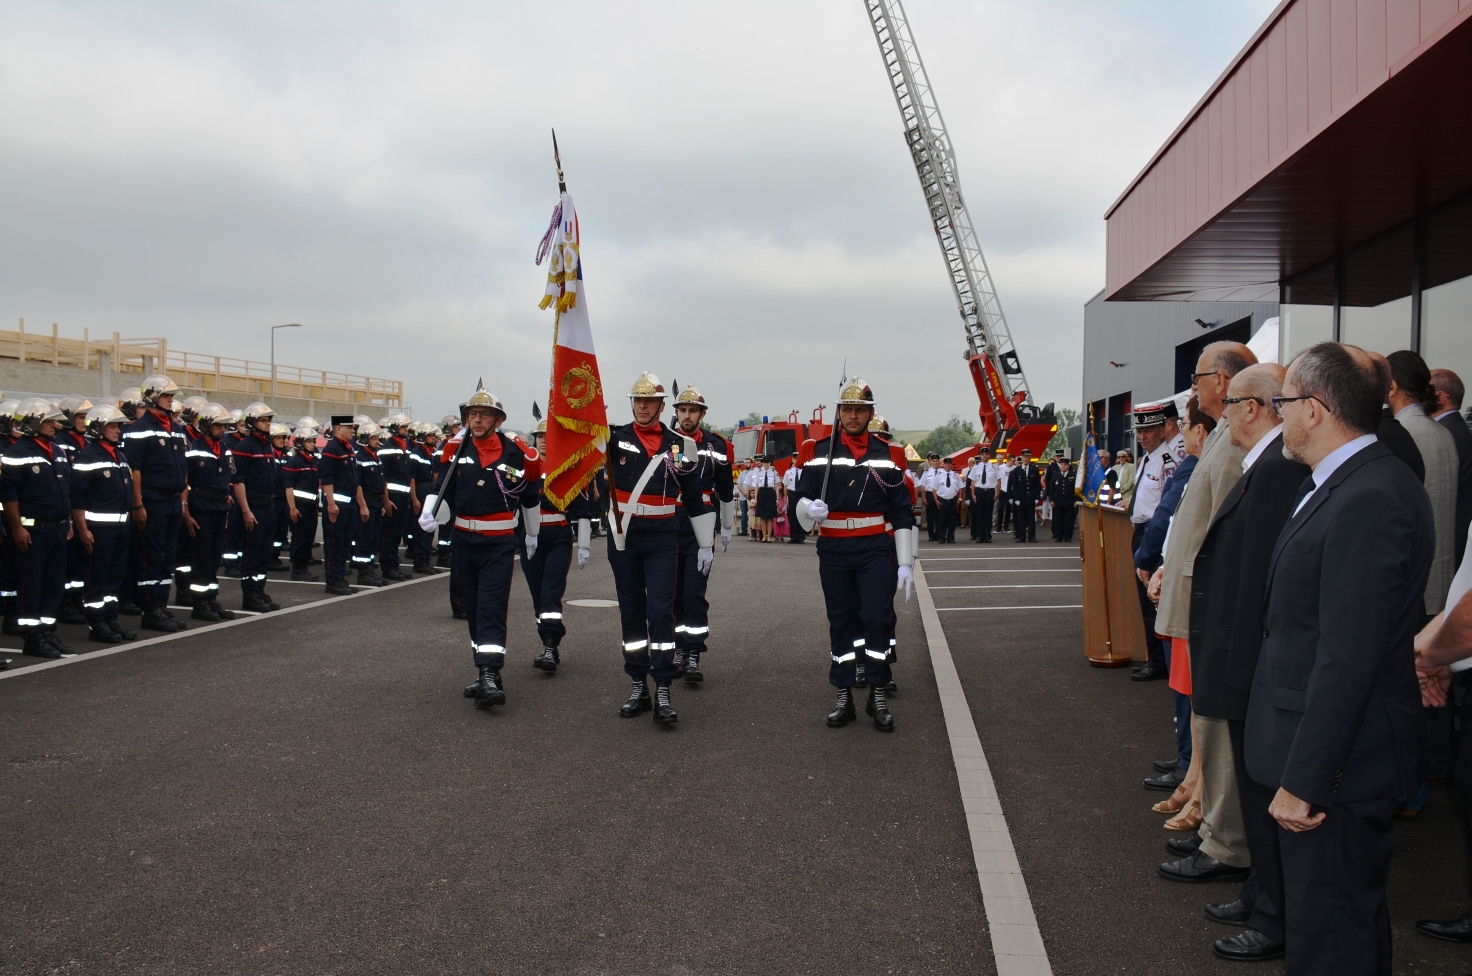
577 419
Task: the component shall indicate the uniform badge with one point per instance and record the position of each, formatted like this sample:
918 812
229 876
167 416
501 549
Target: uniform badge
107 474
623 460
35 469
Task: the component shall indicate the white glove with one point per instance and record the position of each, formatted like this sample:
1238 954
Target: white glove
725 538
426 518
704 559
531 547
818 509
582 557
907 581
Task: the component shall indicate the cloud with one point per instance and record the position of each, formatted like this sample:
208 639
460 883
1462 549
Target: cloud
381 173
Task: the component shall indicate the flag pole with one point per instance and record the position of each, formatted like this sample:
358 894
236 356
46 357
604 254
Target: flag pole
833 437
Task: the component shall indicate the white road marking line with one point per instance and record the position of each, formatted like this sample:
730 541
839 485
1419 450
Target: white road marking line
1012 586
253 613
356 586
1045 606
238 621
1016 942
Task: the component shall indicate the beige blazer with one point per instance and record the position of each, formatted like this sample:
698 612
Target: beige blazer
1218 470
1439 455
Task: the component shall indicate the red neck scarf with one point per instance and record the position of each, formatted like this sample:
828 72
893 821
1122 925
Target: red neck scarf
166 419
109 448
857 446
652 437
489 449
45 446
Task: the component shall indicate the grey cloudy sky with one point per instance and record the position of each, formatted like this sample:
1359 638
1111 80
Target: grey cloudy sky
382 173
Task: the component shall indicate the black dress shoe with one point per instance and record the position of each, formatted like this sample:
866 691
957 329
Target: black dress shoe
1151 672
1166 765
1200 868
1166 781
1229 913
1249 946
1183 846
843 713
1451 930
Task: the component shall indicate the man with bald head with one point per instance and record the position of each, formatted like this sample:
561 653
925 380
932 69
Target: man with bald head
1223 854
1226 628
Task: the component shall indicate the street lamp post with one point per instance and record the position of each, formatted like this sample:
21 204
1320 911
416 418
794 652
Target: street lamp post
289 325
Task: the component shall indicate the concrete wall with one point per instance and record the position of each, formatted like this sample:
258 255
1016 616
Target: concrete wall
1143 336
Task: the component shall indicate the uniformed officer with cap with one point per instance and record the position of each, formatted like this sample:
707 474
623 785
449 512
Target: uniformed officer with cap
856 494
654 473
546 569
491 488
1162 448
932 509
717 487
342 499
155 445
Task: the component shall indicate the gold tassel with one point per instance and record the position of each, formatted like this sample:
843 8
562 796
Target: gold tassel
546 300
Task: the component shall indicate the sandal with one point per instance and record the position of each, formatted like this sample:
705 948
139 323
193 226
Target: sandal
1188 820
1175 803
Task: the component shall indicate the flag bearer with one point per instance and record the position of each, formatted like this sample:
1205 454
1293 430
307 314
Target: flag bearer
35 486
342 499
493 485
546 569
206 512
300 485
101 494
717 484
654 474
866 500
155 445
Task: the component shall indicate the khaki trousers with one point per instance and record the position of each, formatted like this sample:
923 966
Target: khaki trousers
1223 835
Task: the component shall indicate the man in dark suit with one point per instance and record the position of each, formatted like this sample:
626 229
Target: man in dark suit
1226 631
1024 489
1334 721
1449 393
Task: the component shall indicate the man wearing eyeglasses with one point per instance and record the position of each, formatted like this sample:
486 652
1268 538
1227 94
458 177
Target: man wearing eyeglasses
1334 723
1223 854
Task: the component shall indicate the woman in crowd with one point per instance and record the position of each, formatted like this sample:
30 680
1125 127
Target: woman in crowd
765 483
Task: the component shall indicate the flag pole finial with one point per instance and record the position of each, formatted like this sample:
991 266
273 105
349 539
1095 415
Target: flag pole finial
557 158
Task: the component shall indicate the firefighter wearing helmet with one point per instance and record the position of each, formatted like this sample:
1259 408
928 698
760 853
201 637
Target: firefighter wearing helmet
396 459
490 489
653 474
855 494
72 438
156 446
301 484
35 487
717 487
256 484
546 570
102 493
375 504
342 500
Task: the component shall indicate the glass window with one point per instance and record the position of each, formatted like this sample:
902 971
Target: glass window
1307 313
1375 307
1446 298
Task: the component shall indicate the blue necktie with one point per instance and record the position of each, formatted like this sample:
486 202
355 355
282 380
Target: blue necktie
1304 490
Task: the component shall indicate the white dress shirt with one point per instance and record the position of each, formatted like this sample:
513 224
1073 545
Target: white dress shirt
984 476
946 484
1259 447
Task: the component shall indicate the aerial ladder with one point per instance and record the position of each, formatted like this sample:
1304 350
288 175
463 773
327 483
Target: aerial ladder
1009 420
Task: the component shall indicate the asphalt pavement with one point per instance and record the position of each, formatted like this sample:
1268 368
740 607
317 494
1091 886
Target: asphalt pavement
310 793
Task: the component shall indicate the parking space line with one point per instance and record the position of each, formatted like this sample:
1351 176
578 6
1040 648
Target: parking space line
1017 944
975 559
1011 586
238 621
1044 606
937 572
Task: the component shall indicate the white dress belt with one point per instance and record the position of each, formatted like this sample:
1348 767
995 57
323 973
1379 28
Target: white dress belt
853 523
499 524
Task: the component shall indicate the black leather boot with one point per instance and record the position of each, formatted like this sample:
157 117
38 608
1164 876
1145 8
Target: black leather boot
121 631
255 602
693 674
158 620
664 712
638 701
879 708
860 681
220 611
203 611
547 660
843 712
300 574
488 690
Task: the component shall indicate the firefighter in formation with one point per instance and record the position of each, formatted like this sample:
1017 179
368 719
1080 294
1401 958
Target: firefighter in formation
855 492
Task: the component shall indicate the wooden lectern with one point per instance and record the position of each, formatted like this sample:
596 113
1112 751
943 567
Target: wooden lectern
1114 628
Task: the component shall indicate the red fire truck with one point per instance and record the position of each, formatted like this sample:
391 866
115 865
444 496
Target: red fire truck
778 439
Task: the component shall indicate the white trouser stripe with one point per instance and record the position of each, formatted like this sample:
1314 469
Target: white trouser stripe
697 630
879 655
635 645
844 658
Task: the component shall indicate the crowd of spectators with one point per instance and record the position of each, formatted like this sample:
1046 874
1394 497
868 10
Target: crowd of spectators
1302 558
